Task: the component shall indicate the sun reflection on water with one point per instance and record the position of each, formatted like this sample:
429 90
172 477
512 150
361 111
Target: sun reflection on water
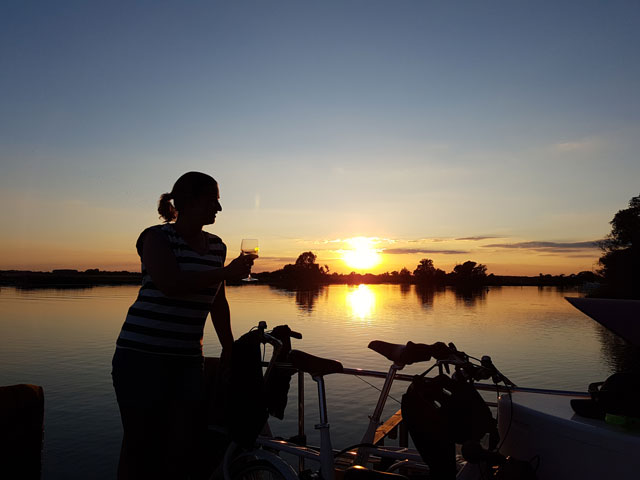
362 301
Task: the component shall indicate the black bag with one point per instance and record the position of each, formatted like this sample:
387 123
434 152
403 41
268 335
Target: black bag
277 385
440 412
246 400
249 400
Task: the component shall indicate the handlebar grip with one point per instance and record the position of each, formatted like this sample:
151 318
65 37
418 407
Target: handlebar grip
295 335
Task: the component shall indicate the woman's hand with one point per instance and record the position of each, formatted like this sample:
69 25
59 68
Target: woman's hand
239 267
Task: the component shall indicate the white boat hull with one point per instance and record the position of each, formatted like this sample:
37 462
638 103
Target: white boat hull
544 428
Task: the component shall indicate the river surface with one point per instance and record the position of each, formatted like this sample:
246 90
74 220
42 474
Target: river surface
64 341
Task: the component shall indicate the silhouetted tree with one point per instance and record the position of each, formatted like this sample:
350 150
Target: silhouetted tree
307 260
305 270
469 274
405 275
621 258
426 273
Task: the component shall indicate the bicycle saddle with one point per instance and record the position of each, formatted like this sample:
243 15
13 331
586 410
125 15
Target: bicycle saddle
402 354
316 366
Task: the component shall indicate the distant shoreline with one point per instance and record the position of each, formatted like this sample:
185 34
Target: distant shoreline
95 277
67 278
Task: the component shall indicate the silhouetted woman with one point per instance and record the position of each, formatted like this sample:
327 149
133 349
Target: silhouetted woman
157 366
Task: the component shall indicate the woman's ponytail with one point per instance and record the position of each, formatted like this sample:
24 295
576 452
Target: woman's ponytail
166 209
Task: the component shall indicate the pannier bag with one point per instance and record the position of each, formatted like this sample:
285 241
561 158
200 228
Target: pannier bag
245 399
440 412
249 400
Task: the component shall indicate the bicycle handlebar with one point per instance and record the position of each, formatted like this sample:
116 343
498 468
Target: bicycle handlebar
280 345
468 370
267 337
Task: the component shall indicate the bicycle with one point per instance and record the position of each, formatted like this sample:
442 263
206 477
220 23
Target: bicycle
262 463
259 463
395 457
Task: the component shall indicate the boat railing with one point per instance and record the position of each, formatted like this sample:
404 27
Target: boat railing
480 386
394 427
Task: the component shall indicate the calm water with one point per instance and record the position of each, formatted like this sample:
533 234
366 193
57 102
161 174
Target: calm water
64 340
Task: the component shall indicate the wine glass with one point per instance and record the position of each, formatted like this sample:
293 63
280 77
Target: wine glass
249 246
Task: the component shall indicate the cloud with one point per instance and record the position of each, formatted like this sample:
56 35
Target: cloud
551 247
406 251
279 259
487 237
582 145
428 240
374 241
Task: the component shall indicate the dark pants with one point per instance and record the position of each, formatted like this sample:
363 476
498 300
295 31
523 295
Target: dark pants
160 400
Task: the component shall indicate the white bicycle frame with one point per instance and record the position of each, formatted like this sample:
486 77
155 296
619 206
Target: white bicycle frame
403 456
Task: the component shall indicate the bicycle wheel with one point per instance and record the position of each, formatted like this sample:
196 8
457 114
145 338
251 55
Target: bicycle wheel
258 470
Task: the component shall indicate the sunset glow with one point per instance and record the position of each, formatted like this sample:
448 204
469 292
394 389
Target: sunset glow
362 254
389 132
362 301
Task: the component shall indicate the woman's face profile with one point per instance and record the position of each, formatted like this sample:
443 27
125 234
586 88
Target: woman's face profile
208 205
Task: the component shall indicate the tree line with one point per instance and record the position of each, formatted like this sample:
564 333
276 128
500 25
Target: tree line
307 272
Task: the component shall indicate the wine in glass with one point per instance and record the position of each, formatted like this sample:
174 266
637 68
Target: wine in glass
249 246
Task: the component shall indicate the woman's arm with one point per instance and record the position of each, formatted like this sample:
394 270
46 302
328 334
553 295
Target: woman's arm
163 267
221 318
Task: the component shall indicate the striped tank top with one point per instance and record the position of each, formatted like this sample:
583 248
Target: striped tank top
173 325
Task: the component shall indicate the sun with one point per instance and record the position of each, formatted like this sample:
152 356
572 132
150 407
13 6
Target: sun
362 254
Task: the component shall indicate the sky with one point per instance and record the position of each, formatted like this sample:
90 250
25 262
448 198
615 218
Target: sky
502 132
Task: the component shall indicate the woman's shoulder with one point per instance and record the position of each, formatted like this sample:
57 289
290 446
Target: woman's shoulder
216 245
214 239
164 230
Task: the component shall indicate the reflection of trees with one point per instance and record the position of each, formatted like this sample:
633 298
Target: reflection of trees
619 354
405 288
306 299
425 294
470 296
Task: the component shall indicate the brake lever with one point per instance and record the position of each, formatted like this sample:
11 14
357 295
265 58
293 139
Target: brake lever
275 342
496 375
